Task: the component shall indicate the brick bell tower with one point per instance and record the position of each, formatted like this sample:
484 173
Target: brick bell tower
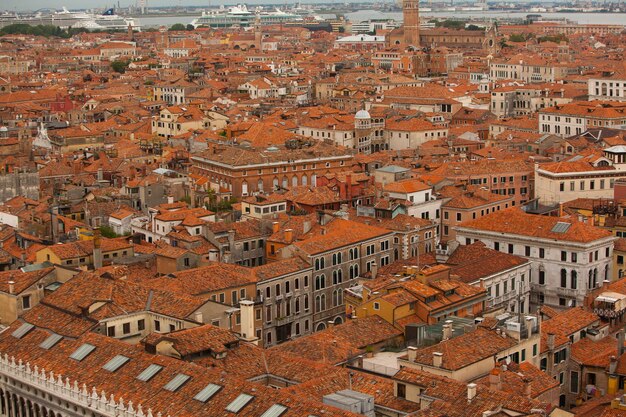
411 14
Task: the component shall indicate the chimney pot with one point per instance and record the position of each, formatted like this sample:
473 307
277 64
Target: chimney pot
11 287
471 391
412 353
437 359
288 235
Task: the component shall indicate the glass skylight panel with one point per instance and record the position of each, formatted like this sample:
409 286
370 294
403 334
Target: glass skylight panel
560 227
276 410
239 403
207 392
22 330
115 363
148 373
82 352
176 382
50 341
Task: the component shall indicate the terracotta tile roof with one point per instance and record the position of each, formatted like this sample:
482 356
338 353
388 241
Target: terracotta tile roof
475 261
21 280
464 350
338 343
196 340
340 233
406 186
516 378
514 221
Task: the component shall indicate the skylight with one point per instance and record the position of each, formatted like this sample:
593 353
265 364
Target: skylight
176 382
22 330
561 227
149 372
50 341
82 352
276 410
207 392
239 403
115 363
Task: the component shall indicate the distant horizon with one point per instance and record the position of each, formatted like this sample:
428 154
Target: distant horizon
33 5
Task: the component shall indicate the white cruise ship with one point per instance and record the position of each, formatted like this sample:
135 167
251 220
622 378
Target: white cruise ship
240 16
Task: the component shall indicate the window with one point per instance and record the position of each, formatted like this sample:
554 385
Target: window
111 331
126 328
527 250
534 350
573 382
563 256
157 325
141 324
458 217
26 302
496 245
510 248
376 306
401 390
542 253
542 277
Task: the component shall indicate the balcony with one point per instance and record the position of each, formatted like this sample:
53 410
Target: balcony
567 292
279 321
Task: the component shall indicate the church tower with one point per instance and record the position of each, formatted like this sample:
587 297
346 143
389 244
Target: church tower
411 14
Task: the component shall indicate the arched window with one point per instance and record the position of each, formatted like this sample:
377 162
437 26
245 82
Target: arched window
351 272
297 329
563 278
297 306
285 182
317 264
339 258
334 259
294 181
339 296
590 279
323 281
356 270
306 302
313 180
260 185
335 300
574 279
317 283
275 183
595 277
322 263
305 180
606 272
334 277
323 301
244 188
318 304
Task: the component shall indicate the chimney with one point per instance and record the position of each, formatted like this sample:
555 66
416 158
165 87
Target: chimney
550 341
11 287
349 186
247 321
374 269
437 359
199 317
495 382
471 391
97 249
447 330
275 227
412 353
170 199
288 235
620 342
528 388
612 365
231 240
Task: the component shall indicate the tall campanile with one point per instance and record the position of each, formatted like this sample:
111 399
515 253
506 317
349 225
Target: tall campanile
411 14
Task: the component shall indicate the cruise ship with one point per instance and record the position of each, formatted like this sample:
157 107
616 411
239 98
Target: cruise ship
240 16
70 19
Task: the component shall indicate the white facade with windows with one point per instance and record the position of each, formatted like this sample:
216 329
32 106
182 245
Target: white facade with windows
606 89
562 272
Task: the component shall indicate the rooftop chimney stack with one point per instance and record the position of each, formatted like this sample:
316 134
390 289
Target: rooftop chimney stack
247 321
412 353
11 287
447 330
288 235
471 391
437 359
97 249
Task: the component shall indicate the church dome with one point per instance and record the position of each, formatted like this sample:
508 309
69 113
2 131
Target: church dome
362 114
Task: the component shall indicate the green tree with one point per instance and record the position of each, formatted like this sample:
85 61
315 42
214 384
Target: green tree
120 66
178 26
190 27
108 232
